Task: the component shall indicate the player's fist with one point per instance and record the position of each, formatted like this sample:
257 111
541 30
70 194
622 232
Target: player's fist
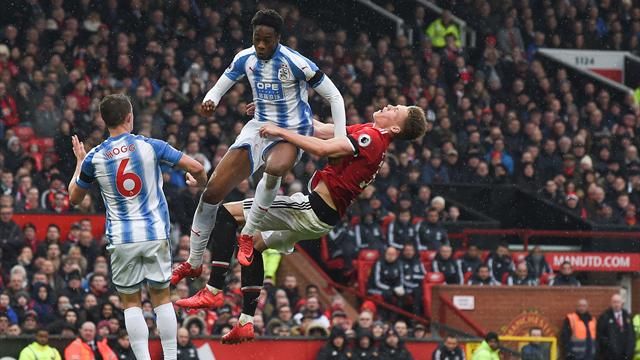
399 290
269 130
207 108
78 148
190 180
250 108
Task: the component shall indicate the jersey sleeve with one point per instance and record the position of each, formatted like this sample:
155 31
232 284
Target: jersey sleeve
365 141
236 69
87 172
303 68
165 152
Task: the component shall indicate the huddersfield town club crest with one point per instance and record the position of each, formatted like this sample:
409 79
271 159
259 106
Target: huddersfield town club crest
283 73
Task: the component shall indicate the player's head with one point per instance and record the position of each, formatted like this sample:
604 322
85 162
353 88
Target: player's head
404 122
267 26
116 110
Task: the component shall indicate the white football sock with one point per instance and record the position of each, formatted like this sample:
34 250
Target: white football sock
168 329
266 191
203 222
138 332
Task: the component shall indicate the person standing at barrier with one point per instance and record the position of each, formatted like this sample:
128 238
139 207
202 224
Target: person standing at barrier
535 350
449 350
578 336
40 348
615 334
636 329
489 349
336 346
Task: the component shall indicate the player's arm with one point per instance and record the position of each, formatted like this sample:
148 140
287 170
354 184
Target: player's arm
322 130
325 88
80 181
196 176
234 72
334 147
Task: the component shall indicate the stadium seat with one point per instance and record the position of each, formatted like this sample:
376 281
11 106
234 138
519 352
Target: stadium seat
519 256
46 144
331 264
505 278
426 257
364 264
435 278
467 276
545 278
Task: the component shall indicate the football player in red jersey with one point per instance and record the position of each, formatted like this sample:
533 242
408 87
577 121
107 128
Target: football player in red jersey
300 217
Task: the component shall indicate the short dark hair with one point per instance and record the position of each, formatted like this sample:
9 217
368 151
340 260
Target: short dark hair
114 109
270 18
415 125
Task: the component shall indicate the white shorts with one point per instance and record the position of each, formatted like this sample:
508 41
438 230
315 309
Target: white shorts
290 219
136 263
250 139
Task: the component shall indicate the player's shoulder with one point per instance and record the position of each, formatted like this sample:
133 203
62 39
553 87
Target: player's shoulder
245 52
294 56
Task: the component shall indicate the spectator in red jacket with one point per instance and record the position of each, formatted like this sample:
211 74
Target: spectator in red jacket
8 109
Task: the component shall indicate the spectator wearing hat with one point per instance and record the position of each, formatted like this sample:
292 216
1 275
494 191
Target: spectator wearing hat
364 347
30 322
537 265
565 277
449 350
4 323
489 349
336 346
394 348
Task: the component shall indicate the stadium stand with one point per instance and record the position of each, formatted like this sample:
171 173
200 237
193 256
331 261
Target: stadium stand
498 116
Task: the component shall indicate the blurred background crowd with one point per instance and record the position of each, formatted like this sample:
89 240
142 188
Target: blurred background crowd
497 114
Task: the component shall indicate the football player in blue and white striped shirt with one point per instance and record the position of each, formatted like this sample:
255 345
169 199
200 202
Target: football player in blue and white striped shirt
127 169
279 78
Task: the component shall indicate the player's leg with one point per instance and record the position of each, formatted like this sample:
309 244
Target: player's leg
126 275
221 245
136 325
166 320
279 160
157 271
234 167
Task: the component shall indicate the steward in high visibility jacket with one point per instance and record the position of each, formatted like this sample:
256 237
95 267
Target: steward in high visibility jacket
636 327
579 334
440 28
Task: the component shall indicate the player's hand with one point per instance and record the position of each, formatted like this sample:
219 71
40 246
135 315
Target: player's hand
78 148
270 130
250 108
207 108
191 181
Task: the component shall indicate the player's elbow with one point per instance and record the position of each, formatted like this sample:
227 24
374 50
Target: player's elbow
76 197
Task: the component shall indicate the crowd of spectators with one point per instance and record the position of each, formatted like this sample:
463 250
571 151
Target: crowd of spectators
504 119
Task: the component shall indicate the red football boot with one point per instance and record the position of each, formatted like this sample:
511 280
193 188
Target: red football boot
203 299
239 334
185 270
245 249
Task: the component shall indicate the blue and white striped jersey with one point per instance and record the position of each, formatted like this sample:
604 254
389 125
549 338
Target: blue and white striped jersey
279 86
127 169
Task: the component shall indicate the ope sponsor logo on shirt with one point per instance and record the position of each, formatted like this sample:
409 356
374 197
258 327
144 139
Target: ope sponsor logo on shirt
269 90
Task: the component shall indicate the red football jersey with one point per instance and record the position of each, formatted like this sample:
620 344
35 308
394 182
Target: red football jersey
351 174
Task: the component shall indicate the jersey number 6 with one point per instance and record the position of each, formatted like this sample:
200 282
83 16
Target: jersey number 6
128 184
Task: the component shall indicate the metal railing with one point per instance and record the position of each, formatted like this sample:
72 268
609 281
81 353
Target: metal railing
467 34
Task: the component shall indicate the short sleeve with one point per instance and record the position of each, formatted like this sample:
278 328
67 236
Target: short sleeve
87 172
366 142
236 69
165 152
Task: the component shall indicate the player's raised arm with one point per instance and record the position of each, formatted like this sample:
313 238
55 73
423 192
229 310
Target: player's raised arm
334 147
82 177
325 87
234 72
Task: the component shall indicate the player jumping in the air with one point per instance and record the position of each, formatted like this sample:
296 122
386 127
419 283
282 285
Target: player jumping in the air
127 169
279 78
301 217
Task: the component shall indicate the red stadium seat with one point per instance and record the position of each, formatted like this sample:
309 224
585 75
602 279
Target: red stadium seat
545 278
505 278
46 144
467 276
458 254
518 257
332 264
426 257
364 264
368 255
